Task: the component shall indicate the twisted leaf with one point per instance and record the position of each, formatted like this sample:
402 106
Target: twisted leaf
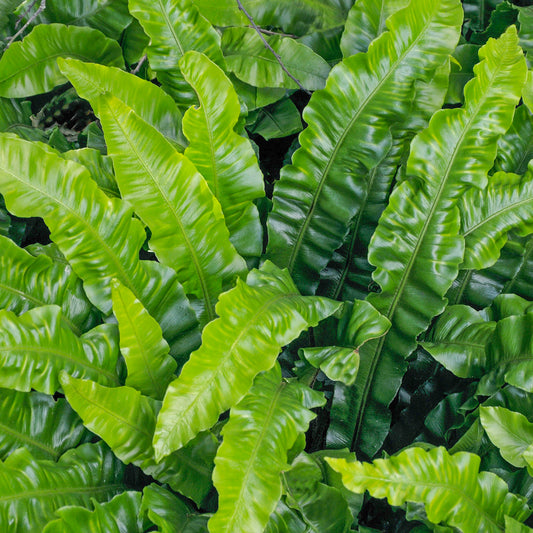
96 234
149 101
487 216
150 367
451 487
29 67
32 490
248 58
27 282
422 220
225 159
108 16
256 320
126 420
34 421
262 427
36 347
117 515
172 198
174 27
349 133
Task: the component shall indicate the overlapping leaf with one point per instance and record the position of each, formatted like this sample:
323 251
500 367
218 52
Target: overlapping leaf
29 67
225 159
422 220
256 320
122 513
451 487
45 427
150 367
175 202
349 133
174 27
108 16
96 234
126 420
27 282
246 56
36 347
262 427
32 490
149 101
366 21
488 215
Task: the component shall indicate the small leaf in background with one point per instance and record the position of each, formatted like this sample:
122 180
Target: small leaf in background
247 57
277 120
29 67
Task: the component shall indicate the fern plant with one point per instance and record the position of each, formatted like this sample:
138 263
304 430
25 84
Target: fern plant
200 333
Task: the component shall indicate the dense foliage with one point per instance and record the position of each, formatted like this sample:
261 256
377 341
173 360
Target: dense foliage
266 266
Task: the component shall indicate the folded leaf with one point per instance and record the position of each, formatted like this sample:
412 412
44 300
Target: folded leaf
256 320
117 515
126 420
349 133
248 58
262 427
149 101
225 159
32 490
45 427
97 234
174 27
451 487
487 216
29 67
27 282
278 120
175 202
36 347
510 432
108 16
150 367
422 220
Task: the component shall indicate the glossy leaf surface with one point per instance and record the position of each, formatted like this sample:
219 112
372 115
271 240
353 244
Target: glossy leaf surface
349 133
256 319
449 486
126 420
149 102
36 347
150 367
45 427
29 67
174 200
174 27
225 159
32 490
96 234
263 426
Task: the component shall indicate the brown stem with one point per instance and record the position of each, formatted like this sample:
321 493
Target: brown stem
41 8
